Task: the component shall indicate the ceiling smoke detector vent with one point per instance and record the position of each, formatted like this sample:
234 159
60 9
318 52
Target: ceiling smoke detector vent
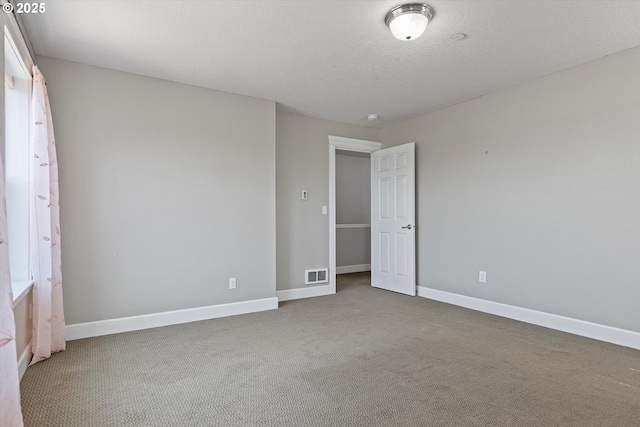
408 21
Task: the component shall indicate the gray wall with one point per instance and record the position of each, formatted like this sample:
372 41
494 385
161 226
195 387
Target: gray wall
353 187
22 318
167 191
539 185
353 206
353 246
302 163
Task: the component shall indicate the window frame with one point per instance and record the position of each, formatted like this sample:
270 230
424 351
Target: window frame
16 63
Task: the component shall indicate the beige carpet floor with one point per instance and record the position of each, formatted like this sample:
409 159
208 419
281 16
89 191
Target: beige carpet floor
362 357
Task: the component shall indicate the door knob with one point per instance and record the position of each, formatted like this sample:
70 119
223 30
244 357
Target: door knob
407 227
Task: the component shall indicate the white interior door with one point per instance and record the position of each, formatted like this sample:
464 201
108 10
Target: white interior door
393 219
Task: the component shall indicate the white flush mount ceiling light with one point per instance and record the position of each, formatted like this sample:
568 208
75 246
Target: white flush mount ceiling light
408 21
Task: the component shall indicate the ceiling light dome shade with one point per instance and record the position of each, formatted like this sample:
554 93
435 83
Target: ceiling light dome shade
408 21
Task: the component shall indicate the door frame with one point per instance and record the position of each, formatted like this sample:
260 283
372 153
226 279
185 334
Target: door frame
346 144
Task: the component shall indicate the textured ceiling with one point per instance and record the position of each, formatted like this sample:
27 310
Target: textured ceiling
337 60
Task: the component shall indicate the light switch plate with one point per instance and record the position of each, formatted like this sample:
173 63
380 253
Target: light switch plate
482 277
305 195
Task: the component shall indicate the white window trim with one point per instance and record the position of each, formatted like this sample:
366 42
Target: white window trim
13 25
20 290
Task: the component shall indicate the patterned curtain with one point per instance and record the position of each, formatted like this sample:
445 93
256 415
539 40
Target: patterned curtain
10 413
48 314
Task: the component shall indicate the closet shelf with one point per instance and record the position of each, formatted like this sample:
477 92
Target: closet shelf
353 225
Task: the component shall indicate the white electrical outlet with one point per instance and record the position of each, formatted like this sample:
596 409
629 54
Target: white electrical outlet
232 283
482 277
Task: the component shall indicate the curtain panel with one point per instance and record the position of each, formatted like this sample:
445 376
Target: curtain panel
48 314
10 413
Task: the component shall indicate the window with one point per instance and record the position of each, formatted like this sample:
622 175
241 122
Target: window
17 81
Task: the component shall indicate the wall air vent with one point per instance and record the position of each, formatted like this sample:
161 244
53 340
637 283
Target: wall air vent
311 277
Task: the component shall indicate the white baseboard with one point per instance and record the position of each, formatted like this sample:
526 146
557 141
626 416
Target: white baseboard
553 321
146 321
357 268
23 360
299 293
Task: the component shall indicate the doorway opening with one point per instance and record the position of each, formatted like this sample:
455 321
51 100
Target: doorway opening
352 281
353 223
353 217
